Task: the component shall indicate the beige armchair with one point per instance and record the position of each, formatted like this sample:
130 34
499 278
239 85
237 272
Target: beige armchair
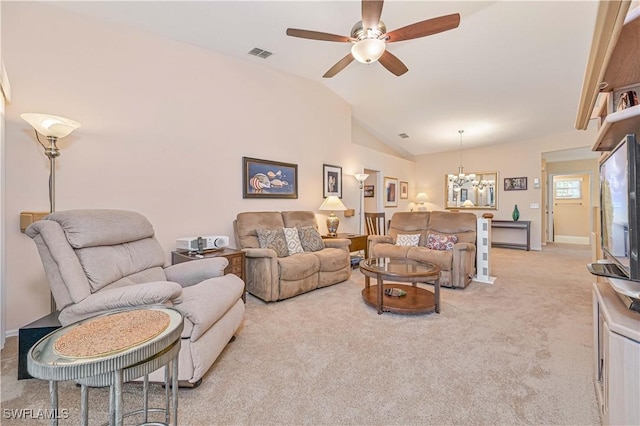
99 260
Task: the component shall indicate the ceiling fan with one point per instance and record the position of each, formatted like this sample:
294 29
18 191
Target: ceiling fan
370 37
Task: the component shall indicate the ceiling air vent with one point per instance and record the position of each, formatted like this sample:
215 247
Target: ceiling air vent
260 53
403 135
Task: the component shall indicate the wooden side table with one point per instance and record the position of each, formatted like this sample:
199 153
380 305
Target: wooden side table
358 242
235 257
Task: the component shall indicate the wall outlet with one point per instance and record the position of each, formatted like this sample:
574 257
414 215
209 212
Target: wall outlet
534 205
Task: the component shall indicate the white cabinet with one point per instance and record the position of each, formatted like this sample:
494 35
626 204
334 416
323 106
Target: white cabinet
617 357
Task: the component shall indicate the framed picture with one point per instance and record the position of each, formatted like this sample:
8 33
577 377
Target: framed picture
404 190
390 192
331 180
268 179
515 184
369 191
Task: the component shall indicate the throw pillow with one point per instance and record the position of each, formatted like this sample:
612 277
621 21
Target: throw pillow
273 239
407 239
310 238
441 242
293 240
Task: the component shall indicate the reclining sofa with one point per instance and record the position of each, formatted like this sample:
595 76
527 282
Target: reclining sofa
285 255
101 260
443 238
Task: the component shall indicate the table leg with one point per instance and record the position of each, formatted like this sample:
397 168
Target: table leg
174 388
380 294
167 383
366 281
145 399
118 397
84 404
436 286
53 397
112 405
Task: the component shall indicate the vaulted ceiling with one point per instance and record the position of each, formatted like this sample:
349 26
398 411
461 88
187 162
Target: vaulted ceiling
512 70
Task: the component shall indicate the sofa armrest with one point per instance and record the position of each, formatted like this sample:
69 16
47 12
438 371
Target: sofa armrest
259 252
196 271
341 243
152 293
372 240
463 268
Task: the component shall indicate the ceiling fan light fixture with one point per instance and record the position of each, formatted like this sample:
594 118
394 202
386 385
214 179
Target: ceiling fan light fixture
368 50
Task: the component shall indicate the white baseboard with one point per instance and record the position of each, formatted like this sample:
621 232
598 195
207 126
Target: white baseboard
569 239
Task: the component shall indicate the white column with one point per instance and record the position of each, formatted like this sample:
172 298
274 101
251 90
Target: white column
483 252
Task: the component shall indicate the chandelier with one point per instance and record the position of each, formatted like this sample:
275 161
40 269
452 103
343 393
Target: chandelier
483 184
457 181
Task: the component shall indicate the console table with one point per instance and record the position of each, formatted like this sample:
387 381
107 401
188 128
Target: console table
523 225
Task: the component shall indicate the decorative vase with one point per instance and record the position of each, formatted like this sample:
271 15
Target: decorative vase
516 213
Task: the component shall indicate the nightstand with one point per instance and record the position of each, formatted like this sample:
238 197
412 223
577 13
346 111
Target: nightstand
235 257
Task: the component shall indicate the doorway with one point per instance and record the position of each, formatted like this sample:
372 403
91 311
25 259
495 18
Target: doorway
569 201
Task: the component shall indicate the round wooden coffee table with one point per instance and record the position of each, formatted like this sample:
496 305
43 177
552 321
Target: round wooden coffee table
416 300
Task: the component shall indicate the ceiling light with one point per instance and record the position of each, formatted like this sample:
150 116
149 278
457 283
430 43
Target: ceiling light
368 50
458 180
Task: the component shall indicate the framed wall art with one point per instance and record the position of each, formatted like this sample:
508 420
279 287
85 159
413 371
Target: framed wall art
390 192
331 180
369 191
515 184
404 190
268 179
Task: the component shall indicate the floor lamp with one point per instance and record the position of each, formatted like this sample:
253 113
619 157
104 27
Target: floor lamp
361 177
52 127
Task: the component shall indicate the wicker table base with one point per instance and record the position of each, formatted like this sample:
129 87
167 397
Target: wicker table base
122 362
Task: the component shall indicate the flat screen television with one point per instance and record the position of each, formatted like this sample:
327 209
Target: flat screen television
619 210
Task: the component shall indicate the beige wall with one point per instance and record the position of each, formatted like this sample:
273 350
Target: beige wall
164 129
520 158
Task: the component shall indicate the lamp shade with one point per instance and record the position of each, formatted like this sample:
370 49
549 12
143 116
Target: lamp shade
368 50
468 203
361 177
422 197
332 203
50 125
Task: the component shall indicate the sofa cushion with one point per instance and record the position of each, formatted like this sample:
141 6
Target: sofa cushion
332 259
273 239
407 239
461 224
441 242
298 266
310 239
293 240
247 223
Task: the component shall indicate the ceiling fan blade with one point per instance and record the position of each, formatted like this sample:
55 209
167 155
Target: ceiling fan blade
424 28
371 11
316 35
392 63
339 66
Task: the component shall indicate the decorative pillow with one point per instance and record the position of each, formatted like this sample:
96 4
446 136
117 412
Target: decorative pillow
293 241
407 239
273 239
441 242
310 238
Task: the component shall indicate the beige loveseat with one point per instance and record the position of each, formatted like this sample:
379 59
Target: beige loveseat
452 237
271 272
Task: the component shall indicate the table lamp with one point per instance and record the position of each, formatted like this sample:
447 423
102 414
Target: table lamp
421 199
332 204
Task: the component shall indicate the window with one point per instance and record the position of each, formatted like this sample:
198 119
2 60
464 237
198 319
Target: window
568 188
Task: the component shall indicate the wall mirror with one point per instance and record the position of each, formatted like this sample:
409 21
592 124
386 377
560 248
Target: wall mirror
475 191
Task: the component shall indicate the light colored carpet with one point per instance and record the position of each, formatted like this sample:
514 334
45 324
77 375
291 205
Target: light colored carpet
516 352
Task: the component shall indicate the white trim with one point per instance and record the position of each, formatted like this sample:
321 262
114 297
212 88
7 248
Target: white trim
570 239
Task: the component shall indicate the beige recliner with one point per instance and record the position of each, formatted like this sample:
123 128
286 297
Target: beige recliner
100 260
